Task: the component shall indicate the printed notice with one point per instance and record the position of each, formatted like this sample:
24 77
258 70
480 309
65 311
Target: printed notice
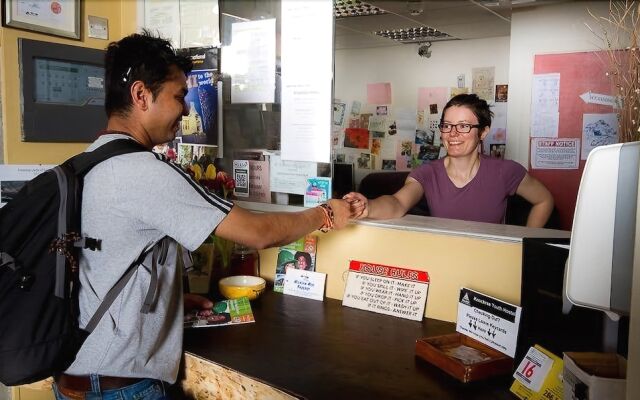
545 102
555 153
14 177
253 47
489 320
259 181
399 292
290 176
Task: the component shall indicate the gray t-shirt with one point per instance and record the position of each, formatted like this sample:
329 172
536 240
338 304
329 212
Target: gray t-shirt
130 202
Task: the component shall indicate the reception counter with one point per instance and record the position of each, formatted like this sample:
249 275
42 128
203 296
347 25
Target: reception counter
301 348
481 256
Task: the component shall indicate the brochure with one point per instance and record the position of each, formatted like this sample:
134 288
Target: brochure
226 312
300 254
318 191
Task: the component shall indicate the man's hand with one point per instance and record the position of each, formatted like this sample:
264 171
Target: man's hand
341 213
193 301
358 205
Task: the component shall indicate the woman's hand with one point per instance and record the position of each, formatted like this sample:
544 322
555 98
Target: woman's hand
358 205
193 301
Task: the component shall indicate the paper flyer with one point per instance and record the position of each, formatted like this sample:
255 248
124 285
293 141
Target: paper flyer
226 312
300 254
318 191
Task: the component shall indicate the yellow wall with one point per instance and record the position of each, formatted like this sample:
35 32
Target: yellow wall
452 262
122 21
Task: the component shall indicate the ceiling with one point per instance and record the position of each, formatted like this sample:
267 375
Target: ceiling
471 19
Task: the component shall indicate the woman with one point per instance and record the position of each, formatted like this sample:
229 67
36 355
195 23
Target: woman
464 184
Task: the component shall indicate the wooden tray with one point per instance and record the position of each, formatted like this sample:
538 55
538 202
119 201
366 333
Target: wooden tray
464 358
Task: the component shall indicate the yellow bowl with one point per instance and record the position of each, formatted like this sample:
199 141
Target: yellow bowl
234 287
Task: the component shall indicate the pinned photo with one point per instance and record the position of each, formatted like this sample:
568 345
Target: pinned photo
389 165
364 161
502 93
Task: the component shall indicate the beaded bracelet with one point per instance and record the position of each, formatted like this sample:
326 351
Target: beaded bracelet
328 223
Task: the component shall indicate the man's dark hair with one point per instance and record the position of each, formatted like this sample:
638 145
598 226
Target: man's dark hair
478 106
138 57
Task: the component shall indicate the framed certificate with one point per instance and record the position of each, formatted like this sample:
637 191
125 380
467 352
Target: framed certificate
57 17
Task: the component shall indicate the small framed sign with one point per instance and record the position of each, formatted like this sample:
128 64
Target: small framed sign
58 17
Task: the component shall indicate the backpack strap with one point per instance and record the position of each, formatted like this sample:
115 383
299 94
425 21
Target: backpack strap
79 165
159 251
83 162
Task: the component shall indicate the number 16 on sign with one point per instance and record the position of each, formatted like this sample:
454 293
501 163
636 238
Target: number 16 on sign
533 369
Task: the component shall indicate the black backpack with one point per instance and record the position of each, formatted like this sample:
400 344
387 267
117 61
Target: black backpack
39 246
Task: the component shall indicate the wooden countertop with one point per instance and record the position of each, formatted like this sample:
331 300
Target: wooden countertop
322 350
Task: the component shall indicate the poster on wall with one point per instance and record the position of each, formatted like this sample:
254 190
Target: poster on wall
404 155
250 61
545 103
338 113
163 17
432 99
551 153
483 81
494 143
379 93
598 130
186 23
199 23
458 90
202 99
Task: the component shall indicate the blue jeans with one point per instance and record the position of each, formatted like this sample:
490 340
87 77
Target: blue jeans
146 389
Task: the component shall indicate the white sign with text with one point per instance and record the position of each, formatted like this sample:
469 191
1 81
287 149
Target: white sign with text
489 320
301 283
399 292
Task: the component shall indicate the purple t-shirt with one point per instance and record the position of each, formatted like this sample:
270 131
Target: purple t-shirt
484 199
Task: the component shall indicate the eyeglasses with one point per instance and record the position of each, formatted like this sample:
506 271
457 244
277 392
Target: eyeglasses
460 128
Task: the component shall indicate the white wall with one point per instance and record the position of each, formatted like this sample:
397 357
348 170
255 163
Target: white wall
406 71
556 28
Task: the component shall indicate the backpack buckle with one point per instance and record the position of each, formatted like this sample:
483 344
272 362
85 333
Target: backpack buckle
25 281
88 243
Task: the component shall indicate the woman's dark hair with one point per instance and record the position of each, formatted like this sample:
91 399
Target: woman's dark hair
478 107
138 57
306 256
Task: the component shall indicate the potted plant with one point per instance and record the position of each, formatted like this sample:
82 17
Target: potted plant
619 31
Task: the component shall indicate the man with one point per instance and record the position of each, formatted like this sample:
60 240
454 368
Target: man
134 202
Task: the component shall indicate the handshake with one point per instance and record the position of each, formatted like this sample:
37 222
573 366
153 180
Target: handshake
352 206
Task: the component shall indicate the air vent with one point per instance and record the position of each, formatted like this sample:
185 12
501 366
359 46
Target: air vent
415 35
354 8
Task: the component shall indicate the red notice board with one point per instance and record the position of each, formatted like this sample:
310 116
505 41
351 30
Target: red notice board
579 73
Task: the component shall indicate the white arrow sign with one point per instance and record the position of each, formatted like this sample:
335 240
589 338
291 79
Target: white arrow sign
597 98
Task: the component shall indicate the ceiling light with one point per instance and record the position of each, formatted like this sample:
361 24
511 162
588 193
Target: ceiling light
354 8
411 35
